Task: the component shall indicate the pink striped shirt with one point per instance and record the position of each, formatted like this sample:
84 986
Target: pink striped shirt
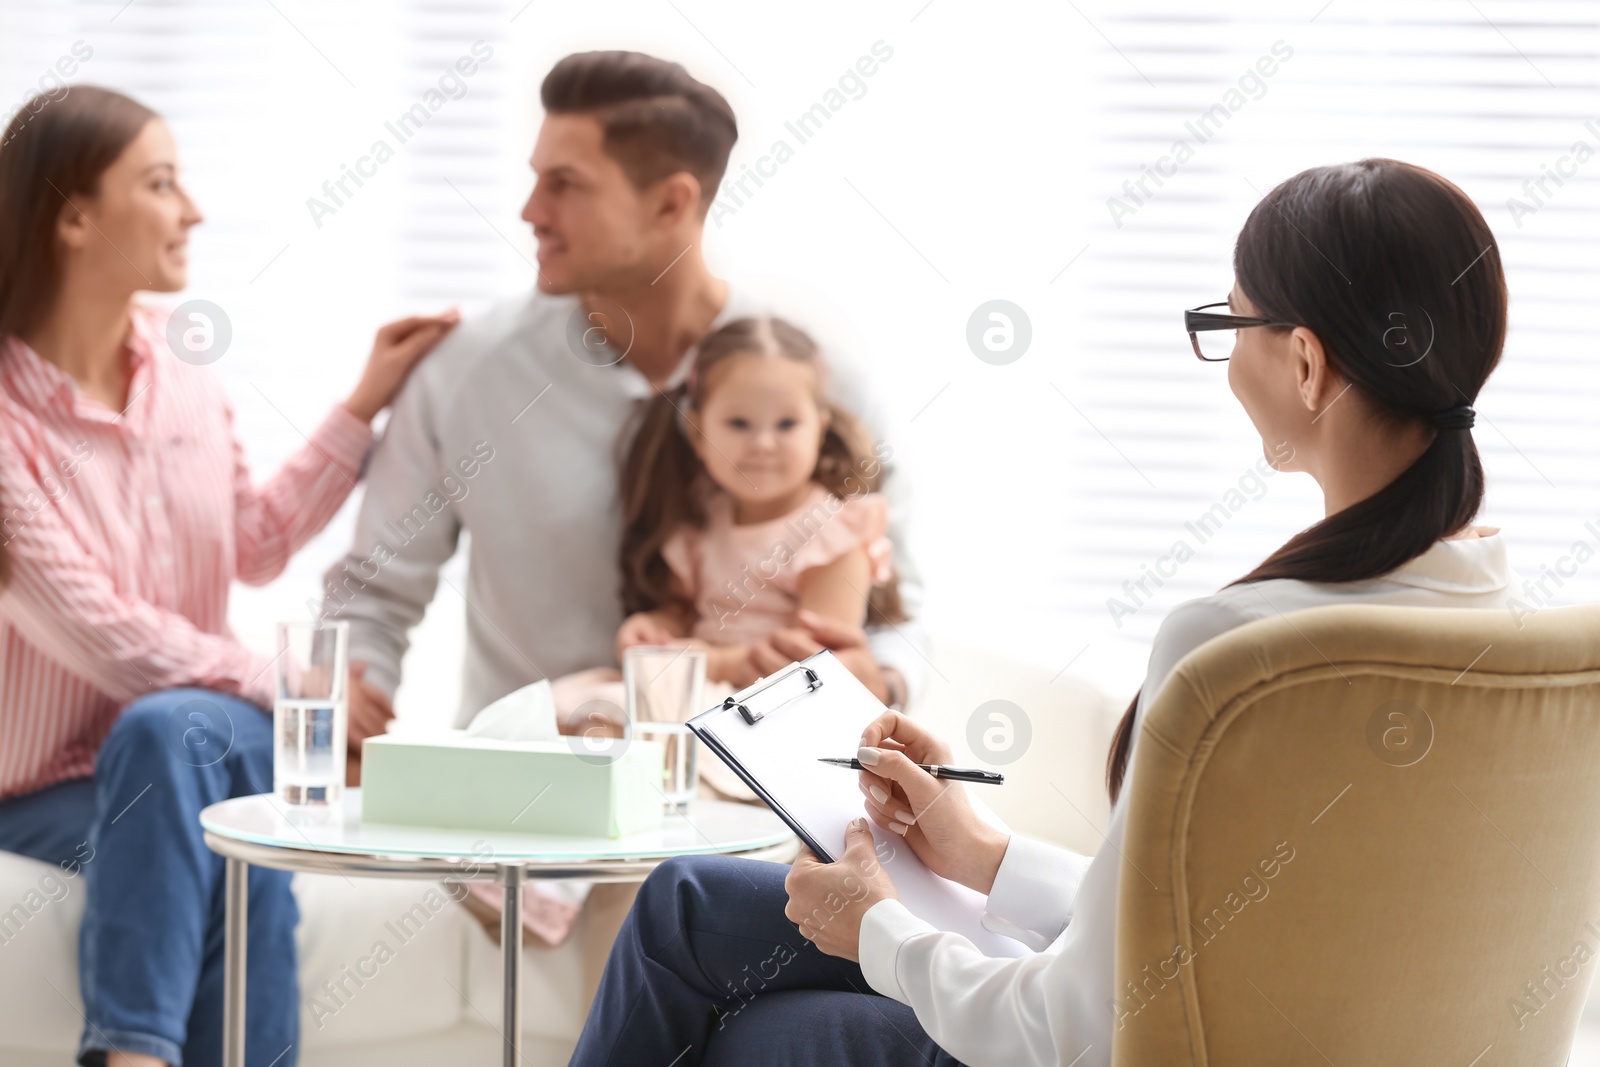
125 532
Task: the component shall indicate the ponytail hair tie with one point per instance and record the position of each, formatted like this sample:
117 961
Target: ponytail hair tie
1460 417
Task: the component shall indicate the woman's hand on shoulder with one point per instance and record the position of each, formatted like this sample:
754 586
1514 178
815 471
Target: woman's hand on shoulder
932 814
398 347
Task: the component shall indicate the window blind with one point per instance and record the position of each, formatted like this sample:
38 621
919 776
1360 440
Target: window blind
1498 97
992 156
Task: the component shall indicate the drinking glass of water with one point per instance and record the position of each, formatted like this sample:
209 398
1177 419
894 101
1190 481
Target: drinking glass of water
663 688
308 715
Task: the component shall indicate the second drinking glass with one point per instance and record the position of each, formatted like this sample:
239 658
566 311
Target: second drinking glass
309 713
664 686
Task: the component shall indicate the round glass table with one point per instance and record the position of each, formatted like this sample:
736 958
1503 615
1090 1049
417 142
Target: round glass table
264 831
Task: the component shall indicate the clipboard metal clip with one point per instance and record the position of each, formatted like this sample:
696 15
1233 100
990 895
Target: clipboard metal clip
751 715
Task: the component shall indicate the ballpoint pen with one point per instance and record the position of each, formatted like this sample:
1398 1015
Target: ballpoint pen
938 770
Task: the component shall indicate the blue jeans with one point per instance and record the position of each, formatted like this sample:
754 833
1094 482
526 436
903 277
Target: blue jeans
707 970
150 949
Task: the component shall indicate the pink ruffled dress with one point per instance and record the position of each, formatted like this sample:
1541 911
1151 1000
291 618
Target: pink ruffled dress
744 581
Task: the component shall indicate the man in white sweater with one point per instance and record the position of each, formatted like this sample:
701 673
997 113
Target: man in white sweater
510 430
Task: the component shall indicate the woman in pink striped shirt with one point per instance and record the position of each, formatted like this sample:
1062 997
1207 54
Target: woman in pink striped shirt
126 511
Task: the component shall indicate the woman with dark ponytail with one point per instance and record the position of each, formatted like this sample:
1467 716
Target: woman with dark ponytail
1412 333
1368 308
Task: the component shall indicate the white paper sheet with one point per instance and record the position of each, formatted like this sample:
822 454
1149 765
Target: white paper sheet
780 751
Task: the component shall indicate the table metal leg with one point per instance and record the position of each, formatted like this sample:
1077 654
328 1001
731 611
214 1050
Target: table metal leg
511 876
236 904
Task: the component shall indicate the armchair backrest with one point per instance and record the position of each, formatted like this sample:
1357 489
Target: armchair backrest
1365 834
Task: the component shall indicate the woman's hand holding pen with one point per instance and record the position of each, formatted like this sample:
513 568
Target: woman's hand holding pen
933 816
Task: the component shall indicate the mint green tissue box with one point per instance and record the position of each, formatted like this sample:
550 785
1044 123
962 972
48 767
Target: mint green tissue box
520 787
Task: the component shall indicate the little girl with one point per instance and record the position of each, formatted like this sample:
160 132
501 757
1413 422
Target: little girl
747 495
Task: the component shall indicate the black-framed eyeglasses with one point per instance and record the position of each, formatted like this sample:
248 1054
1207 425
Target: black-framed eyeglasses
1216 348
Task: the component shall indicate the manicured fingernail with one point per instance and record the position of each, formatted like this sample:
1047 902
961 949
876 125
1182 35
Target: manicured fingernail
899 828
860 824
904 816
880 794
869 756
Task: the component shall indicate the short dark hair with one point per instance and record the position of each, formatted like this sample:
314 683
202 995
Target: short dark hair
657 119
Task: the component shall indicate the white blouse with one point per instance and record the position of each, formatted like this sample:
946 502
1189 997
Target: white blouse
1057 1006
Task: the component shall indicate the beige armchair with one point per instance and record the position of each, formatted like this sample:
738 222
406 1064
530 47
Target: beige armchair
1366 835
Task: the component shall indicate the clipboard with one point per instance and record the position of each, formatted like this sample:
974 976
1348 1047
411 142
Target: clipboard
771 735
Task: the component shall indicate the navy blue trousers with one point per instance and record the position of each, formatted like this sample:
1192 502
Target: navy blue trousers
707 970
150 948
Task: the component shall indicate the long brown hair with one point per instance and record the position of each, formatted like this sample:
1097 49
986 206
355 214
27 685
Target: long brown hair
662 478
1397 273
56 146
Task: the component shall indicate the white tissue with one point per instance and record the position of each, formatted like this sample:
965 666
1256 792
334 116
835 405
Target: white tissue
528 714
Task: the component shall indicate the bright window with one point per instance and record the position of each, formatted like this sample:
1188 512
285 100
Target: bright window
976 164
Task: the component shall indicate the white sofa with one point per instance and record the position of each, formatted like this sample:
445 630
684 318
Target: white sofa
438 999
